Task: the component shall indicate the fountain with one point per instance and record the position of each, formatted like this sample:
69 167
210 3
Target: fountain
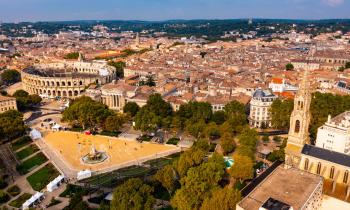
94 156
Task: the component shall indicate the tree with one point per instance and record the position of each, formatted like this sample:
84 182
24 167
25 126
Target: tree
133 195
248 137
72 55
119 66
4 197
195 111
150 81
11 125
242 169
289 67
150 116
234 109
277 139
167 177
347 65
199 183
86 113
132 108
114 122
26 101
9 77
219 117
235 112
222 199
146 120
324 104
195 128
211 131
20 93
227 143
157 105
280 113
265 139
192 157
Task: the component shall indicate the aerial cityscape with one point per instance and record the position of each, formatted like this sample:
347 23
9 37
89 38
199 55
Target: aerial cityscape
175 105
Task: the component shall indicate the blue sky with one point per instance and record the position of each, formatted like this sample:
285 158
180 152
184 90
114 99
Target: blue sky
41 10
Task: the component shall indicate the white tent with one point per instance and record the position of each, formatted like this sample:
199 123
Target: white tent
32 200
84 174
35 134
54 184
56 127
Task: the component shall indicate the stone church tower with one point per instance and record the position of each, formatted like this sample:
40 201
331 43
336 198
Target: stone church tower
299 123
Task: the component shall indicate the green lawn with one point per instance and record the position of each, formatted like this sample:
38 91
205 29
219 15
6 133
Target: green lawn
31 149
21 142
31 163
20 200
72 190
42 177
14 190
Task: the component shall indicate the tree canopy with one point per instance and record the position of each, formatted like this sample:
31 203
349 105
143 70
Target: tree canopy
131 108
86 113
72 55
26 101
324 104
150 116
133 195
9 77
242 169
199 182
280 113
222 199
119 66
11 125
289 67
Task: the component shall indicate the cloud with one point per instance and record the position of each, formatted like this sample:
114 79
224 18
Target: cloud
333 3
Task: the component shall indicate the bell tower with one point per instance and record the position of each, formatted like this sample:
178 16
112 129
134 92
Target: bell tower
299 123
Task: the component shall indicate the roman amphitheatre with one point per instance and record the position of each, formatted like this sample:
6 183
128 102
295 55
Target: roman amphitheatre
72 147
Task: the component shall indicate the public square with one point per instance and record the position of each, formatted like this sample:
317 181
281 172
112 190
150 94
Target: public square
72 146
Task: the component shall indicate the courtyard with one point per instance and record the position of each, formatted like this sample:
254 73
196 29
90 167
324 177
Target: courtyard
72 146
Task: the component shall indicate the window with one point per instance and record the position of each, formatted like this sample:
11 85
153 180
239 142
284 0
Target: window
318 171
306 165
331 173
297 126
346 176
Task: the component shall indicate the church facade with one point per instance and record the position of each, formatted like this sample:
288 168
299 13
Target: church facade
333 166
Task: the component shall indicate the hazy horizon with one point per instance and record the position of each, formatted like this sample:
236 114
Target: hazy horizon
163 10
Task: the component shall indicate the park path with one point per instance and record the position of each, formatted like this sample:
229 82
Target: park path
23 184
56 160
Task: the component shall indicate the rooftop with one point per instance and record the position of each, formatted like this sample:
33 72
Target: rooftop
328 155
342 120
290 186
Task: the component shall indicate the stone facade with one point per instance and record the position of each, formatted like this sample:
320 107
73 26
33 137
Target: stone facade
260 104
66 79
7 103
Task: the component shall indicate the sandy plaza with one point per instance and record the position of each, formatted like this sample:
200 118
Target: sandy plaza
72 146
